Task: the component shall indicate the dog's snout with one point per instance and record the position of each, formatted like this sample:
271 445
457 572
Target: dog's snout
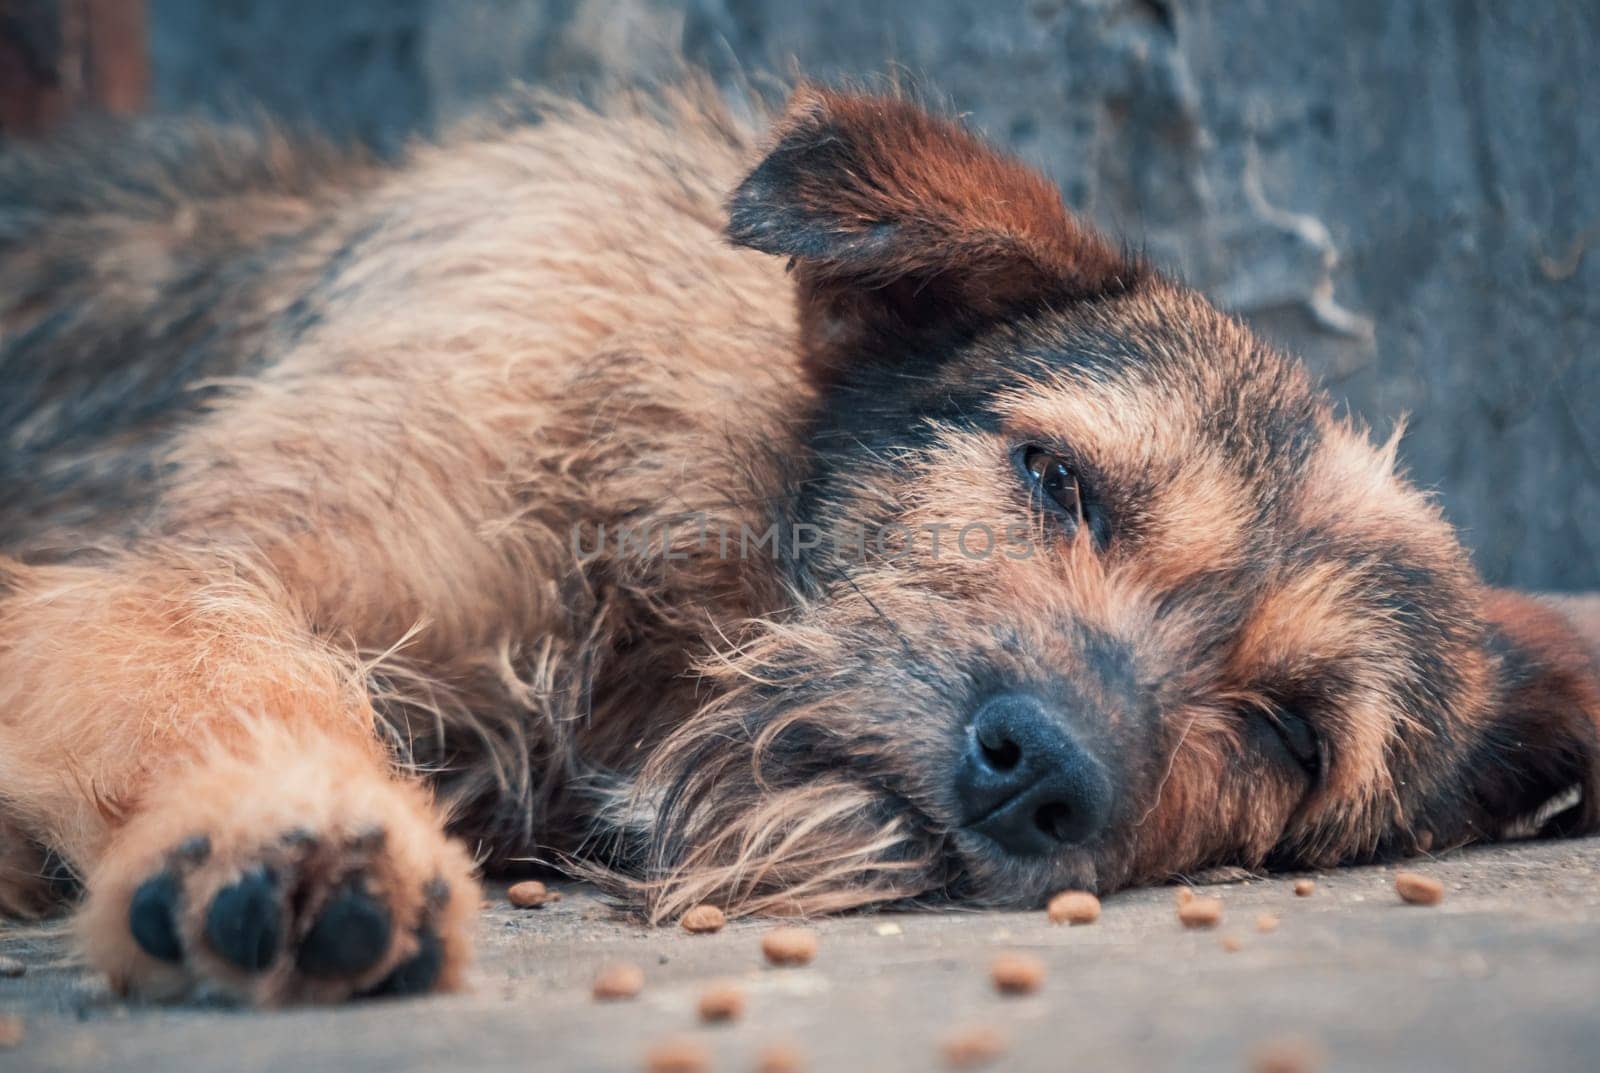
1024 781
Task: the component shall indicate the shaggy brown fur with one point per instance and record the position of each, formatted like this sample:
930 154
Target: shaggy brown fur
495 492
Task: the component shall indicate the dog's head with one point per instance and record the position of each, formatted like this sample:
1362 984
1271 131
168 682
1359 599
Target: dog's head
1093 586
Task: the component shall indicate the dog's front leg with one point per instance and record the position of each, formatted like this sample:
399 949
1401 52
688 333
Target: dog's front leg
211 771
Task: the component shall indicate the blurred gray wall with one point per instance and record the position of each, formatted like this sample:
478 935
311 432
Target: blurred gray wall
1401 190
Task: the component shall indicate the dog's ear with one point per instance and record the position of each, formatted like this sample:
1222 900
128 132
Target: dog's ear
900 225
1542 740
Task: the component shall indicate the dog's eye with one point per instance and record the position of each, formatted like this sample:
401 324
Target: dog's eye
1055 480
1299 738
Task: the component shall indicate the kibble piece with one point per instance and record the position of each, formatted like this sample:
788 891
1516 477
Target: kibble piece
1266 922
973 1047
531 894
11 967
1231 943
619 981
12 1029
678 1056
1017 974
1200 912
1185 895
1074 907
780 1058
1303 888
1291 1054
703 918
723 1002
789 946
1419 889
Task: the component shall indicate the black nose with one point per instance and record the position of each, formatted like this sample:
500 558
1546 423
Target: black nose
1025 782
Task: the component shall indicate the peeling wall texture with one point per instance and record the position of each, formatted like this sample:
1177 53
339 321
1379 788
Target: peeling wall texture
1406 192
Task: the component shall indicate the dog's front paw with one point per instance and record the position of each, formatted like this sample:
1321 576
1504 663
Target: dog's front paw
320 892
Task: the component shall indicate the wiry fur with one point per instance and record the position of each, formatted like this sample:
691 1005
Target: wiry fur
316 472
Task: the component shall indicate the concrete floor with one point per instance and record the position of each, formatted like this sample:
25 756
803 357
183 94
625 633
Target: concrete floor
1504 976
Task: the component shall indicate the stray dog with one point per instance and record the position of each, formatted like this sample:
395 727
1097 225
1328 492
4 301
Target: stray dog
789 523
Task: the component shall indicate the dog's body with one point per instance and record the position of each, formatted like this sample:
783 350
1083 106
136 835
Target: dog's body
504 467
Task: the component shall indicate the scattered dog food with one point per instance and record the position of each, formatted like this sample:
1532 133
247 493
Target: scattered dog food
780 1058
1291 1054
1231 943
11 967
1267 922
702 919
1185 895
12 1029
1419 889
973 1047
1074 907
619 981
789 946
531 894
678 1056
722 1002
1017 974
1303 888
1200 912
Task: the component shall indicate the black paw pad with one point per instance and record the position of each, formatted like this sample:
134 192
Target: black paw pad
301 838
245 922
418 974
368 840
194 850
151 917
349 937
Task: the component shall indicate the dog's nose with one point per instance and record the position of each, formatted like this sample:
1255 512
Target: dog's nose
1024 781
